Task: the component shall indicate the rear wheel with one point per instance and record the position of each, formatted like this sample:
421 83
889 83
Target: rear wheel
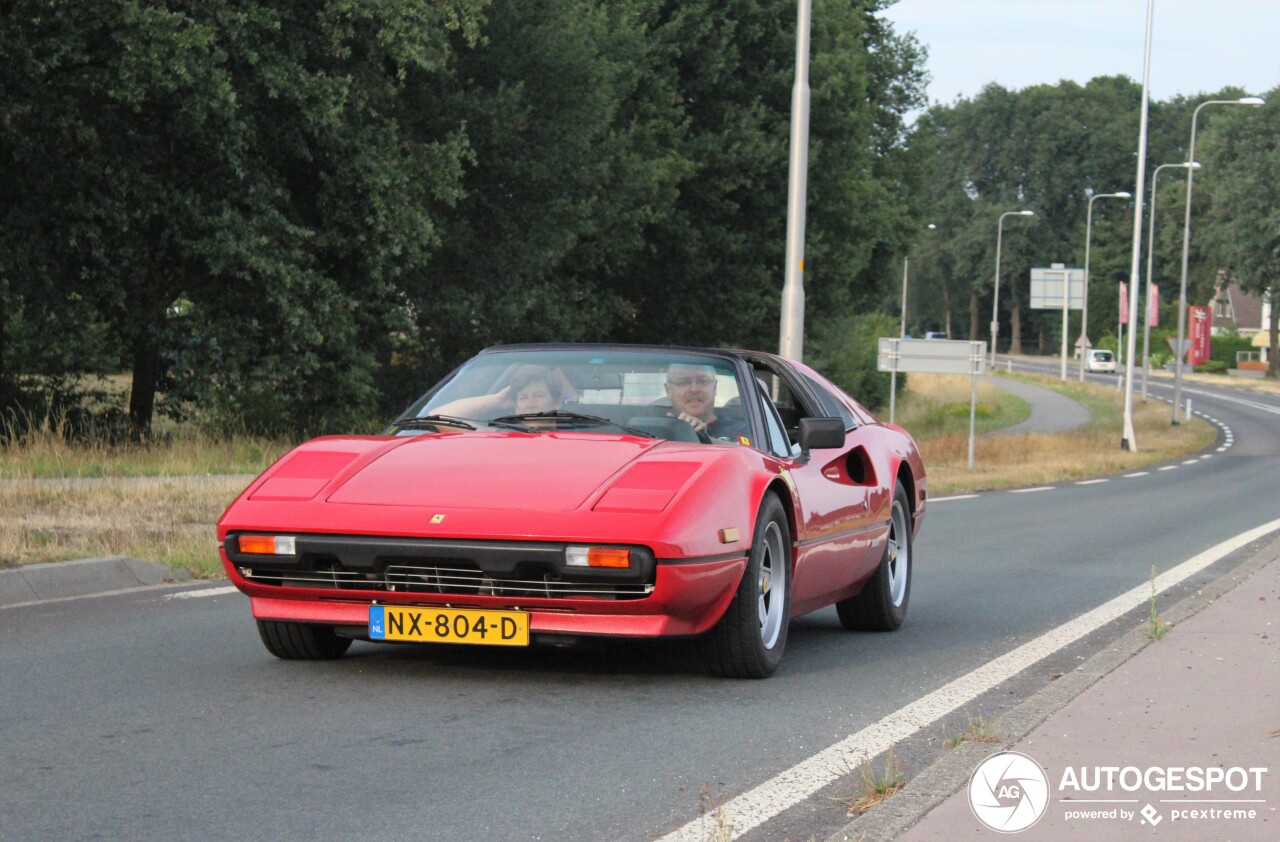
749 639
301 641
882 604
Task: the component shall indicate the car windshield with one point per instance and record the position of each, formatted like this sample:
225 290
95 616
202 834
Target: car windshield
1102 356
590 389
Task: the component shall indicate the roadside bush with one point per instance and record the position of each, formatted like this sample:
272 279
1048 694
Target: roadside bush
1212 367
1223 348
844 350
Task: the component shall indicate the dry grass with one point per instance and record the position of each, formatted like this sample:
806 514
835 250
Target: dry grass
1030 459
170 521
977 731
45 451
875 788
1260 384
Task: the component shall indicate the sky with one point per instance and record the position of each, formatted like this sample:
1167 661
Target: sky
1196 45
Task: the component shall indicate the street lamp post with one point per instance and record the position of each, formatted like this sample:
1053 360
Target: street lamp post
1088 237
902 334
1128 439
995 301
1151 238
791 330
1186 246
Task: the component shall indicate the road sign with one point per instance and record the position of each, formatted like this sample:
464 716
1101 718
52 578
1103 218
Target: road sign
1046 288
1178 350
936 356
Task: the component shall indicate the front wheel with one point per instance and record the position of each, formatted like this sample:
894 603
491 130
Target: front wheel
882 604
301 641
749 639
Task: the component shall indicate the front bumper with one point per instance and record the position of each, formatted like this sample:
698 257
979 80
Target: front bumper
334 579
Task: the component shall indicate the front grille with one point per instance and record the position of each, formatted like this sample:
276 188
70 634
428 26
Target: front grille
499 569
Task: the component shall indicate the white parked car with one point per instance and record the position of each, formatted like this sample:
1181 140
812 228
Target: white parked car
1100 360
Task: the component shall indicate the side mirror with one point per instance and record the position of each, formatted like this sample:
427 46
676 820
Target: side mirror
820 433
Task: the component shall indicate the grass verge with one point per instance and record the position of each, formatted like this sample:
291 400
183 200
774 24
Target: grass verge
170 521
1028 459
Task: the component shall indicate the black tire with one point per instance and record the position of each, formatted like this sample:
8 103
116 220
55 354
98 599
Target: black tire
749 639
301 641
882 604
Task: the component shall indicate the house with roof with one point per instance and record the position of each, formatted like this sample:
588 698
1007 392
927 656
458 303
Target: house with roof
1235 310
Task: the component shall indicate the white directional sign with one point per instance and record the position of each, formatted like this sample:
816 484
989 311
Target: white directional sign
1046 288
936 356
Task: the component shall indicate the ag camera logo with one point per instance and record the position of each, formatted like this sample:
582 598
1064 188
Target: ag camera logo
1008 792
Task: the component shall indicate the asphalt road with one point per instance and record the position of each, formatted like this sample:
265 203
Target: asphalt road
158 713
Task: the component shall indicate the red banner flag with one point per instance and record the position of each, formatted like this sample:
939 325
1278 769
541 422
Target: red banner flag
1201 320
1124 303
1153 306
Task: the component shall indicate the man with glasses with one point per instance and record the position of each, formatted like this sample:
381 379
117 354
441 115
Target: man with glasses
692 392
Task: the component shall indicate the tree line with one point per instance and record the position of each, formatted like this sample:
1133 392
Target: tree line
1049 148
284 216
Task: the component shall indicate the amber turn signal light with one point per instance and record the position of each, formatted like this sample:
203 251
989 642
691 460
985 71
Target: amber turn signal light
597 557
268 544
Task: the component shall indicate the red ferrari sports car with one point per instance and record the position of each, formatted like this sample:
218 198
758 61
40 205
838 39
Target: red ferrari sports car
546 493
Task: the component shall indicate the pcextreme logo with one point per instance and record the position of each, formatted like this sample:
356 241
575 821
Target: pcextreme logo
1009 792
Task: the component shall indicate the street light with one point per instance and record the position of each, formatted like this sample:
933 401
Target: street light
1186 246
1151 237
995 303
791 328
1128 439
1088 236
902 334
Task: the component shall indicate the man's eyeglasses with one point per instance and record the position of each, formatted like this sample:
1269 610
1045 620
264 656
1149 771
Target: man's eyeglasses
685 382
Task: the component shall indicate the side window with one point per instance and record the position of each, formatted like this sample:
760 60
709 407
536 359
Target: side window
779 443
789 408
830 406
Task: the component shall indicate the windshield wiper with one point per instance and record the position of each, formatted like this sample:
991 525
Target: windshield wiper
575 419
433 421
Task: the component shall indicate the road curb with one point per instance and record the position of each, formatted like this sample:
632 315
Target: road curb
950 772
84 577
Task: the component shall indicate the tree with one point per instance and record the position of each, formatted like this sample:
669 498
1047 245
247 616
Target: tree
249 158
1047 148
1241 151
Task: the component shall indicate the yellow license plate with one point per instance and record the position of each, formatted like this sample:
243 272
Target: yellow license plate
449 625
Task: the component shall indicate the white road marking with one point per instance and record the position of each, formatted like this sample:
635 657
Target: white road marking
1274 410
1168 468
1091 481
757 806
202 593
956 497
1138 474
1029 490
1191 461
